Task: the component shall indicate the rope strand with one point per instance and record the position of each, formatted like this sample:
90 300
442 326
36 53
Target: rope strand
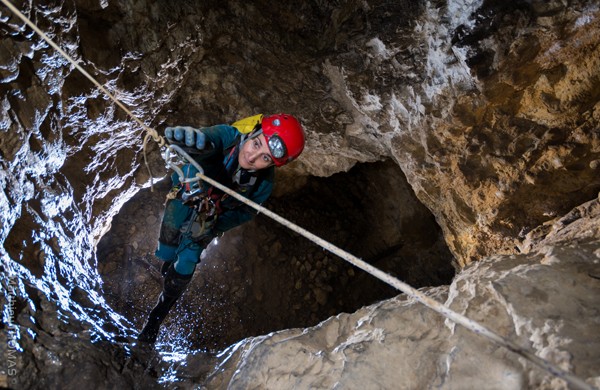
445 311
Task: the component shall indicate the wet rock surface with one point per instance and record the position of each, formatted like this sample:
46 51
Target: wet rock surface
490 110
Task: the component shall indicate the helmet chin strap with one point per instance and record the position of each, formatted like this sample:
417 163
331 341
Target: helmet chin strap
255 133
247 137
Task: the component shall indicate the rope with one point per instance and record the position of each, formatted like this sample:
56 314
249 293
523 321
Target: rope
445 311
145 152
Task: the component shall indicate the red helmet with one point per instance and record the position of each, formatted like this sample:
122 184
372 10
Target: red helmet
285 137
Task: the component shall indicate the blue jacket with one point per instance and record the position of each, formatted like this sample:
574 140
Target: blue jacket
221 164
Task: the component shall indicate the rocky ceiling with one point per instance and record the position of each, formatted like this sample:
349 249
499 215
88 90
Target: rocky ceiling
488 110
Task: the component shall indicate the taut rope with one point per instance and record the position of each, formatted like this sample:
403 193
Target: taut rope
445 311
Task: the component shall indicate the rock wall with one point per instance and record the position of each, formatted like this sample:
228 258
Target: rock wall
489 109
492 115
545 301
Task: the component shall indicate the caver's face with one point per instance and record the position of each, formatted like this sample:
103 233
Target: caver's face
255 154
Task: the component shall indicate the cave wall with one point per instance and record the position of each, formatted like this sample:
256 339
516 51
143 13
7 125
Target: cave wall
490 110
544 301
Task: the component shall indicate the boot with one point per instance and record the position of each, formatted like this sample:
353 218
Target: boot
173 287
164 268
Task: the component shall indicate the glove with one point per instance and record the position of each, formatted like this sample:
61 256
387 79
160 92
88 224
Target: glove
192 138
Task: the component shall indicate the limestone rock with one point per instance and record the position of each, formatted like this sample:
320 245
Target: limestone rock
483 116
545 301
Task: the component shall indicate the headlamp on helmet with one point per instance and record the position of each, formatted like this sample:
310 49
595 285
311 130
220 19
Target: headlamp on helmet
277 147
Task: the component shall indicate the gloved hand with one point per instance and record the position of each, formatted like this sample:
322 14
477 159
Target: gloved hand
187 135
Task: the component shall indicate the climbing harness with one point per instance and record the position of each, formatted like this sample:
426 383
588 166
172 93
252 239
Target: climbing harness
205 208
445 311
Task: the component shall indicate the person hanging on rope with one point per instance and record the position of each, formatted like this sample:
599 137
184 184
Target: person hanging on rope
241 156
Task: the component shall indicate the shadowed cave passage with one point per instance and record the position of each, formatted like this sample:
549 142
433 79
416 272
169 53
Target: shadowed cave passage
262 277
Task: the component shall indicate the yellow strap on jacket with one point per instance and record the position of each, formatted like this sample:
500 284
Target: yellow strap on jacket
246 125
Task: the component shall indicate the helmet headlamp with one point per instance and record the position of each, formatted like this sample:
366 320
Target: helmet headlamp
277 147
